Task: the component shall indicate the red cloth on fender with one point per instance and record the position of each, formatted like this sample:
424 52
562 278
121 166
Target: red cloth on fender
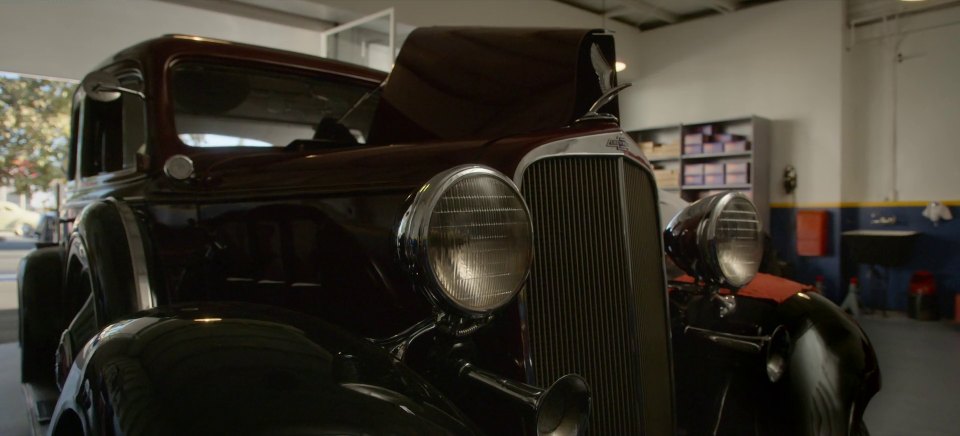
764 286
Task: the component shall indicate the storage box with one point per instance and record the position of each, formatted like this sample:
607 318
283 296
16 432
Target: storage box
726 137
737 173
694 138
706 129
736 146
647 146
692 179
693 174
663 150
713 147
693 169
692 148
737 167
667 178
713 174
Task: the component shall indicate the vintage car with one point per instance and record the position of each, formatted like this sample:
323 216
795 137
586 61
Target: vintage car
263 242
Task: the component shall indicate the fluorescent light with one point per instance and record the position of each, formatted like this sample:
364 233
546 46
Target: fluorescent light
620 66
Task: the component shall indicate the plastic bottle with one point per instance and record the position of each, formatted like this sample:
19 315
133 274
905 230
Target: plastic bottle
851 303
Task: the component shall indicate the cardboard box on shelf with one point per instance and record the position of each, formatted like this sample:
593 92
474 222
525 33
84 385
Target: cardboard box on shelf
736 146
737 172
694 138
692 148
706 129
647 146
692 179
727 137
667 178
693 174
713 174
664 150
713 147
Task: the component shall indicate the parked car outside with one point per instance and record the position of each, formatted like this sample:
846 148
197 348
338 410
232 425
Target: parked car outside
263 242
16 219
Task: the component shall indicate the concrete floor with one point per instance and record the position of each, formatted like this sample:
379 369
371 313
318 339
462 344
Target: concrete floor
920 377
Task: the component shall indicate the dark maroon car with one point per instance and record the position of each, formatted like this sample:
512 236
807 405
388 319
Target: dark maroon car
263 242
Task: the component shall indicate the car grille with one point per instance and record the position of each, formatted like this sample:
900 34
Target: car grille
595 304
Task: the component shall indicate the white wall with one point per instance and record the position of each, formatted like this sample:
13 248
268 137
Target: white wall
925 122
67 39
781 61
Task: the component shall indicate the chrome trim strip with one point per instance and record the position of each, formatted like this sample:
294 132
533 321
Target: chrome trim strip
146 299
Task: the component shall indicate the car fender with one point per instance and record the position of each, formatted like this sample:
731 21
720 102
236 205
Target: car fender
832 371
245 369
107 240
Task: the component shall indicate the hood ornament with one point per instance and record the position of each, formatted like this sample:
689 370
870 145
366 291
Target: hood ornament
592 114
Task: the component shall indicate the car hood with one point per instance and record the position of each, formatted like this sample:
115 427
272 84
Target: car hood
456 83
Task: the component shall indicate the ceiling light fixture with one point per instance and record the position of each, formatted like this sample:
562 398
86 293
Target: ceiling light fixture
620 66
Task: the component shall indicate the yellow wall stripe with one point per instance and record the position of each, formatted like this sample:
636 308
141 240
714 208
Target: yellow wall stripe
829 205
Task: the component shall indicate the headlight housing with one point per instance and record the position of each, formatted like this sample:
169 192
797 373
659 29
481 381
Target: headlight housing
718 240
468 239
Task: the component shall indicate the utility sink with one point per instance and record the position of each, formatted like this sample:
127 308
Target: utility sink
879 247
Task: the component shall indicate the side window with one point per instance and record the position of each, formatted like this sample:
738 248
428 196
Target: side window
112 134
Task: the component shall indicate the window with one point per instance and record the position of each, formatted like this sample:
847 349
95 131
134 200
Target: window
112 134
233 106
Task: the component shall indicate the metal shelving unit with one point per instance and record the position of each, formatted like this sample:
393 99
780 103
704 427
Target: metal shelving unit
754 129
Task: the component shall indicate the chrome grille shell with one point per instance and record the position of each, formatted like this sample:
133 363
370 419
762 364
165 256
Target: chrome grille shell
595 303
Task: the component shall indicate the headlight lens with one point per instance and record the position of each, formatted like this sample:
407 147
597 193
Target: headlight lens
738 236
718 239
468 237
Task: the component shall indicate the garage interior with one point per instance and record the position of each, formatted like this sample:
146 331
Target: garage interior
845 111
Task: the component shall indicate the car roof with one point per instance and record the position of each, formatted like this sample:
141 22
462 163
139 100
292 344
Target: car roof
164 48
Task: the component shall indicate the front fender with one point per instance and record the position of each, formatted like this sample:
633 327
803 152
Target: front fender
833 370
245 369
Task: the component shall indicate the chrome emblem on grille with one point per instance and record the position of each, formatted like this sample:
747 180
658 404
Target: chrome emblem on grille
619 143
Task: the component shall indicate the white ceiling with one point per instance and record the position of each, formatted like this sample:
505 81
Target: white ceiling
650 14
642 14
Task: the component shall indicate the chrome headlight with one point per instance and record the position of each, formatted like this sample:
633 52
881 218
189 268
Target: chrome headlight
468 238
718 239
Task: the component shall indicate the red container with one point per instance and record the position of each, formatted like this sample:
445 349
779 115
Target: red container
922 298
812 228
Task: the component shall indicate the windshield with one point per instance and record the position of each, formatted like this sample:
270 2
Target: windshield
232 106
